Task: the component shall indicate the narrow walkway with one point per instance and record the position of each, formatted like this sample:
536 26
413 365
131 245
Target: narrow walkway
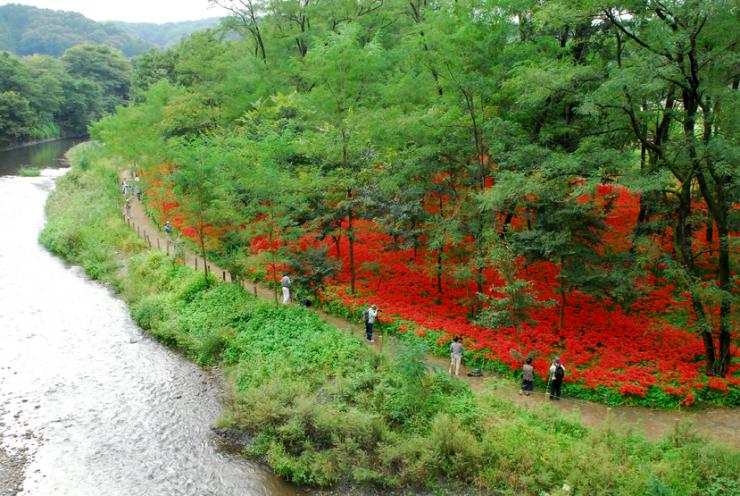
721 425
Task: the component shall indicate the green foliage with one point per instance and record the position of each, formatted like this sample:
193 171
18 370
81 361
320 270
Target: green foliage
88 228
165 35
317 132
310 268
28 30
29 172
42 97
16 118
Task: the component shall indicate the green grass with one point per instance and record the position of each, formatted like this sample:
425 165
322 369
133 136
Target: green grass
29 172
325 410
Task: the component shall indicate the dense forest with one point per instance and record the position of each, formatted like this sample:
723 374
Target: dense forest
168 34
46 97
541 178
61 71
26 30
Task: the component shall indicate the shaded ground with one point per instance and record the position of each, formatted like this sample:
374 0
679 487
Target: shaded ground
721 425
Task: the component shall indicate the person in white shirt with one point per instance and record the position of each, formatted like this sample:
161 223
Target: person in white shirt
456 353
557 373
285 283
371 315
527 377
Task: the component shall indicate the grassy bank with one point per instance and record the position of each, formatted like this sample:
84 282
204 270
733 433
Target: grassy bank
325 410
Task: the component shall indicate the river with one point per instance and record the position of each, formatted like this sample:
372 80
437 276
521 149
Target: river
89 405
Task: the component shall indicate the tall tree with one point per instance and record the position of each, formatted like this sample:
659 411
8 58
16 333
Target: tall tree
681 117
348 76
198 183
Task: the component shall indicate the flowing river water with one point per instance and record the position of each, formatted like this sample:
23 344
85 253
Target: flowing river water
88 404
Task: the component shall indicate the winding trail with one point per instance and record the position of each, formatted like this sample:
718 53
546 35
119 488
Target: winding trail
720 425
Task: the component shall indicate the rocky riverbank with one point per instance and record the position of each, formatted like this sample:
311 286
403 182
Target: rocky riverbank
13 462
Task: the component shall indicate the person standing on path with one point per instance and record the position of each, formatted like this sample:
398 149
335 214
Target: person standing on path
527 377
167 230
456 353
285 283
557 373
128 210
370 315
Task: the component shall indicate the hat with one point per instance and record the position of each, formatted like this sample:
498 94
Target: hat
374 306
557 359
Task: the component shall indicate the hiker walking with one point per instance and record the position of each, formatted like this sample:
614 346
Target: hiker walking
527 377
557 373
285 283
128 210
369 316
456 353
167 229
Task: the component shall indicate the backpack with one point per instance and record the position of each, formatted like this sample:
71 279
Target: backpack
365 315
559 373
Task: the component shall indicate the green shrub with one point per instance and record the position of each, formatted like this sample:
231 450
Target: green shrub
29 172
149 311
456 451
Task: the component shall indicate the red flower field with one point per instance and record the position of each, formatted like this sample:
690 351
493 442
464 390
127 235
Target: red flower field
637 354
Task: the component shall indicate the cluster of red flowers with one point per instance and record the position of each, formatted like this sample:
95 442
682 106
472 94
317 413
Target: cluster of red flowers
602 344
626 350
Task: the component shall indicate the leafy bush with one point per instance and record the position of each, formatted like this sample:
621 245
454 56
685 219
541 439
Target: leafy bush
29 172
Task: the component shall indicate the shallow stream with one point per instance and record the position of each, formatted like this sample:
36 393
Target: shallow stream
88 404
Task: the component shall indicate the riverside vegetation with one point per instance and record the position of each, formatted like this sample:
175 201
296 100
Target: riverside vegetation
549 178
324 410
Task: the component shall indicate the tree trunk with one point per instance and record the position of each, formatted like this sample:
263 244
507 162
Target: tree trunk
507 220
336 240
439 272
722 367
273 263
683 240
561 310
643 215
202 242
710 228
351 238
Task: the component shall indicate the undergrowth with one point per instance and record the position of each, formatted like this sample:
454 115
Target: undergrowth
325 410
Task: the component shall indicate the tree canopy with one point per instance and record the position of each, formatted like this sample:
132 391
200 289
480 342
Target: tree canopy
452 128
